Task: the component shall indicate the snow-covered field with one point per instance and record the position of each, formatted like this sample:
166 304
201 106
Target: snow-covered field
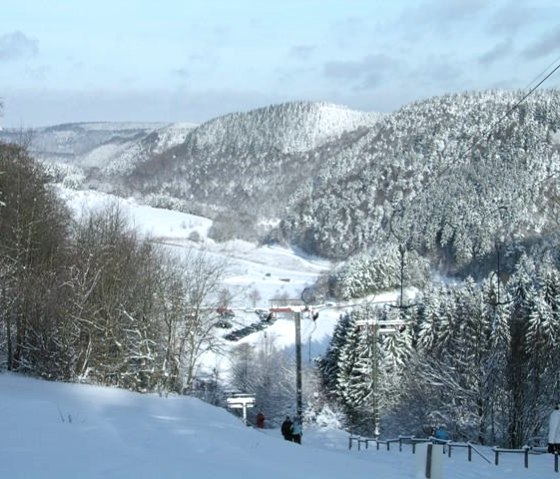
272 270
71 431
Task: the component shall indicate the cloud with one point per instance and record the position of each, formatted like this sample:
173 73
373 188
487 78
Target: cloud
17 45
439 72
496 53
182 72
444 15
511 18
548 43
302 52
349 31
458 10
367 72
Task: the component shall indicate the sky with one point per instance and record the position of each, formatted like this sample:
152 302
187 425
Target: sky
193 60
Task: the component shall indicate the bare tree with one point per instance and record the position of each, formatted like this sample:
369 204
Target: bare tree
254 296
202 281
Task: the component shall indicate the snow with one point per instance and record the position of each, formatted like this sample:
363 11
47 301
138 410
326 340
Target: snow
59 430
273 271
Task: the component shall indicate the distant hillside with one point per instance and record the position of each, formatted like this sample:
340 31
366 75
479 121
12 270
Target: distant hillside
105 147
249 163
286 128
70 141
451 173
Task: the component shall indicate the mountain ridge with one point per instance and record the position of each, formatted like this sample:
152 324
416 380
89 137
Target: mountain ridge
338 182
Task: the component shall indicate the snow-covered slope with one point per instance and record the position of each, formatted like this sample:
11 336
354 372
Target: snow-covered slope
272 271
63 431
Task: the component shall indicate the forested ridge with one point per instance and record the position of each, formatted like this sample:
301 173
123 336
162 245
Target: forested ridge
439 174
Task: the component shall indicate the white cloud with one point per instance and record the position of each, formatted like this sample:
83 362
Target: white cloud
17 45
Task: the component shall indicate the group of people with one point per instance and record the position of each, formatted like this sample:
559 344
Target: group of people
440 433
292 430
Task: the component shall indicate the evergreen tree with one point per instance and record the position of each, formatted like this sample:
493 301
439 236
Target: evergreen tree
522 292
328 365
355 380
494 377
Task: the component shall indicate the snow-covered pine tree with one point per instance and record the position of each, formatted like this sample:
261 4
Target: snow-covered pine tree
521 287
356 381
428 321
328 365
496 388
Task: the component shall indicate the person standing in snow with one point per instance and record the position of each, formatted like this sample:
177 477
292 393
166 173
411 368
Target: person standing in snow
441 433
554 431
260 420
286 428
297 430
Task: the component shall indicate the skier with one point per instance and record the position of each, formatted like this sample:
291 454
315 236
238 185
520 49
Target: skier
297 430
287 429
554 431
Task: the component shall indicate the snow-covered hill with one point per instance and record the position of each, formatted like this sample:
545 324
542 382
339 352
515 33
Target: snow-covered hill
248 163
331 180
286 128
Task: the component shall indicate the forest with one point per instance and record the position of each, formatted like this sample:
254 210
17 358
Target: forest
479 358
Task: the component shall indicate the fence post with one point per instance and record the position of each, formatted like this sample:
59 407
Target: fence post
496 458
400 444
526 453
429 461
470 452
555 462
350 442
449 451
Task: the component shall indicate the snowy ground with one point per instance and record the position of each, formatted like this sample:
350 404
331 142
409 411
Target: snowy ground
273 271
69 431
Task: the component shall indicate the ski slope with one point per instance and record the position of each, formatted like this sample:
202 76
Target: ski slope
56 430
